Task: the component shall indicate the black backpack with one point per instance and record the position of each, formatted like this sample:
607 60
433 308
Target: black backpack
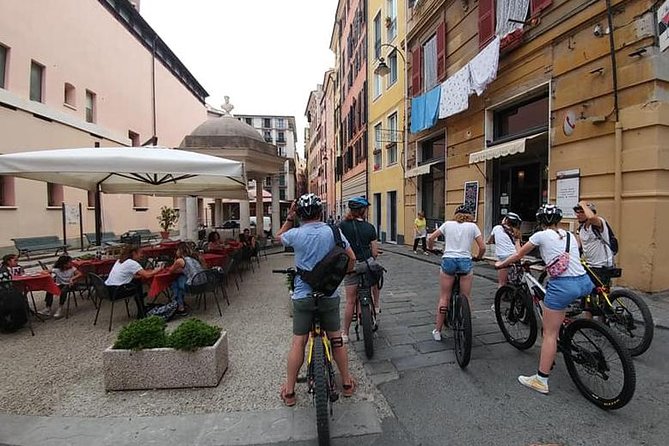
613 241
330 271
12 309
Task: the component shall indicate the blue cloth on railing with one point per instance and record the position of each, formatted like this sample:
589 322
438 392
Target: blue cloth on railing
425 110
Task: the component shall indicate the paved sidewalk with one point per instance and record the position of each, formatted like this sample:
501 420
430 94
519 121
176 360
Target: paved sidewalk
657 302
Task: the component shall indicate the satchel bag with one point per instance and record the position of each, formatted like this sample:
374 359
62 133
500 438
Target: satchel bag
559 264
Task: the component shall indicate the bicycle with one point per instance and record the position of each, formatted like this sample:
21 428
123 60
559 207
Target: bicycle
459 318
590 349
621 310
320 373
365 310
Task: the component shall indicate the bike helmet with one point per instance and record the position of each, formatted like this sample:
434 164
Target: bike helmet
549 214
513 219
358 203
309 206
463 209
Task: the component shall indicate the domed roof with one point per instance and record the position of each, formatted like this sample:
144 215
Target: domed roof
227 126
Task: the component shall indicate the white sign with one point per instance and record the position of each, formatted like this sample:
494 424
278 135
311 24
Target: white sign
568 184
663 25
72 214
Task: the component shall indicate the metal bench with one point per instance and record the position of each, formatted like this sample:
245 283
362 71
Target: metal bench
106 239
28 245
145 234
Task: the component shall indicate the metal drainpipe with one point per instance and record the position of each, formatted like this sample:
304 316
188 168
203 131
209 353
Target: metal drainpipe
618 173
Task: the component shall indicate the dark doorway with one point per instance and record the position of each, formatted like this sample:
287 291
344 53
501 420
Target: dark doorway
392 215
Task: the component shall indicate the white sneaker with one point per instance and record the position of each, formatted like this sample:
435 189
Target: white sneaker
426 253
436 335
534 383
344 338
45 312
60 312
415 252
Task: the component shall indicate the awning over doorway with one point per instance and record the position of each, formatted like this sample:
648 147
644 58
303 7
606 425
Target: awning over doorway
500 150
421 170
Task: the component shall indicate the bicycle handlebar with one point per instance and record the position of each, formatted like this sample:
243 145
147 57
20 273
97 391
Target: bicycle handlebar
284 271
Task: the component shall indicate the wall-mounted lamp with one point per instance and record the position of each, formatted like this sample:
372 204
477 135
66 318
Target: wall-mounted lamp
382 68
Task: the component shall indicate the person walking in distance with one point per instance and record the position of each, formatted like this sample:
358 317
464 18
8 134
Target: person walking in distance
506 237
459 235
312 241
595 239
420 229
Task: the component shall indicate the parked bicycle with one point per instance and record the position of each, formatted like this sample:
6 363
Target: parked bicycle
320 373
620 309
596 360
365 310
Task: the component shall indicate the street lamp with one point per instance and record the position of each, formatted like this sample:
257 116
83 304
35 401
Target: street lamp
382 68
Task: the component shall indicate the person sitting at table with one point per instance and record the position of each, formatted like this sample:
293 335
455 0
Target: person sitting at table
187 264
214 241
64 274
128 271
247 239
10 264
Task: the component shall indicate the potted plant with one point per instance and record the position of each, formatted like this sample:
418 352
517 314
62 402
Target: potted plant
167 219
144 356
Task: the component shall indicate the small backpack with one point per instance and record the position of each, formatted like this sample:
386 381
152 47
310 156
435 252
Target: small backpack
166 311
330 271
613 241
12 309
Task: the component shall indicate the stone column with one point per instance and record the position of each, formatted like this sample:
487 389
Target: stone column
244 214
276 206
182 217
259 208
191 218
218 212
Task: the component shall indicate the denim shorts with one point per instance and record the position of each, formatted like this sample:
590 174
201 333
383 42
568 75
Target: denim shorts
562 291
454 265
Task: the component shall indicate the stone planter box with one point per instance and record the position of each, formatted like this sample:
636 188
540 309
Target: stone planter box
165 368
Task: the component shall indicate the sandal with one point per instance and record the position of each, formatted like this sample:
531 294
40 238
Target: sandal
349 389
287 398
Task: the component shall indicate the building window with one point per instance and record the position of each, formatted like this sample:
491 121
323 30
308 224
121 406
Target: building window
392 64
54 195
91 199
391 19
7 197
432 149
91 111
506 19
377 36
430 78
140 202
70 95
282 180
378 155
4 51
377 85
280 123
282 194
268 136
522 119
267 123
281 151
249 121
36 81
392 146
281 137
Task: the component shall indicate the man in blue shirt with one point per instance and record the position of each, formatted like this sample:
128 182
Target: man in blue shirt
312 241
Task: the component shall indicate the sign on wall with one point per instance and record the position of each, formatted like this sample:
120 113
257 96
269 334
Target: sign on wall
72 214
472 196
663 25
568 185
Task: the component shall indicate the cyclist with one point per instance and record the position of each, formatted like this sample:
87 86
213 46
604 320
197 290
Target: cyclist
362 236
312 241
459 234
506 237
593 234
563 288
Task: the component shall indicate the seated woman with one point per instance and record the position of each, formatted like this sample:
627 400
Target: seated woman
214 241
10 264
64 274
128 271
247 239
188 264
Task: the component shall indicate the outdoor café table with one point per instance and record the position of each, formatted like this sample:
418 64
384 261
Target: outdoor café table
100 267
223 251
41 281
212 259
170 243
158 250
161 282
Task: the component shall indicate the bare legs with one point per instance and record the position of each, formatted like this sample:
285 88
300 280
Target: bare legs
295 360
445 288
552 322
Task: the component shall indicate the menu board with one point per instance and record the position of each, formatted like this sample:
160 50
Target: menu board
472 197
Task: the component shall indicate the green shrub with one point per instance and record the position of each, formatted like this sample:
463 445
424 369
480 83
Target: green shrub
193 334
144 333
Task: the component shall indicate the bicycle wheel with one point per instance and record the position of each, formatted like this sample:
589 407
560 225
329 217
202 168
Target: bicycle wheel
321 397
630 318
462 330
367 329
599 365
515 316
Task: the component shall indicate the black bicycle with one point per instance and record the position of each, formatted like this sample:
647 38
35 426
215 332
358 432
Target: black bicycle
597 362
365 310
320 373
459 318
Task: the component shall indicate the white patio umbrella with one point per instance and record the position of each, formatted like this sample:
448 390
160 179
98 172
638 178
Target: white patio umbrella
131 170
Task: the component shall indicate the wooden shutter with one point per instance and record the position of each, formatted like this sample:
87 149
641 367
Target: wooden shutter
441 51
486 21
416 71
536 6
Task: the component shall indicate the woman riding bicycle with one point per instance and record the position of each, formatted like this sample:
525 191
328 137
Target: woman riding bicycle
559 250
362 237
506 237
459 234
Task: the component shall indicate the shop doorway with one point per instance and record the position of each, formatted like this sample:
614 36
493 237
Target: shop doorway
377 215
392 216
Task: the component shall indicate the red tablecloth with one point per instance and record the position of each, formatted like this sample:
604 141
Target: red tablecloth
155 251
160 282
222 251
212 259
171 243
36 282
100 267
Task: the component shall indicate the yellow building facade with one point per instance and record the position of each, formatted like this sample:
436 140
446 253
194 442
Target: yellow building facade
386 117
